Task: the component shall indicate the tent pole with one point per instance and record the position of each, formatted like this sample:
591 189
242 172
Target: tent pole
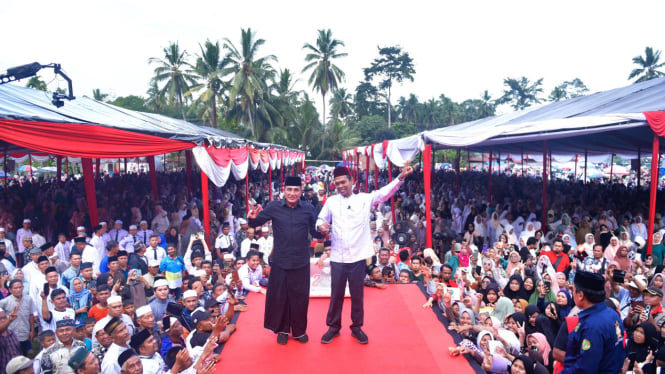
366 173
575 174
544 226
498 161
30 161
269 181
188 161
549 177
4 167
427 170
611 167
468 160
206 203
91 193
639 166
247 192
392 198
376 170
522 161
98 164
67 166
58 174
457 170
281 175
653 188
153 177
586 156
489 181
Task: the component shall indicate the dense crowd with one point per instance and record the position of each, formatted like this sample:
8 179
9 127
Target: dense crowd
147 290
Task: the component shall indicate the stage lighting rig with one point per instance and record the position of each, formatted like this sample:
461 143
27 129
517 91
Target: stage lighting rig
29 70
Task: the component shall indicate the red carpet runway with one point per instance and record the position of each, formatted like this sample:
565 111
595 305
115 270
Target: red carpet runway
403 338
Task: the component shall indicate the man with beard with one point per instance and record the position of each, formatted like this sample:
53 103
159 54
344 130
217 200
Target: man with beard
287 297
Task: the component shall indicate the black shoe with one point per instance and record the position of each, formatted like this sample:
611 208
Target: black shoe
303 339
282 338
329 335
360 336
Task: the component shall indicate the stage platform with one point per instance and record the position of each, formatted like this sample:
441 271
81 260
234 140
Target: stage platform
403 338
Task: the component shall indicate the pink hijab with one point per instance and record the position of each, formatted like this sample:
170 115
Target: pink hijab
544 346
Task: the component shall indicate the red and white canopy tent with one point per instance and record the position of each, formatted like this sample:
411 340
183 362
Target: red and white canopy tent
625 120
88 129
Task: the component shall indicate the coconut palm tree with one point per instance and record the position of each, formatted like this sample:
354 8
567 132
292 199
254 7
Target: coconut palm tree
209 67
341 104
648 66
249 73
175 73
324 75
98 95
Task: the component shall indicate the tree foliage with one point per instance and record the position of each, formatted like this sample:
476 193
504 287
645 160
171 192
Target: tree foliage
648 66
520 93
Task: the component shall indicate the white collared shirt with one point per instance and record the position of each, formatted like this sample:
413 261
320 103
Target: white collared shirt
349 219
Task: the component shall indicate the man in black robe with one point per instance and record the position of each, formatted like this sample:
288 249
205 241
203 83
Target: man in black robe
287 298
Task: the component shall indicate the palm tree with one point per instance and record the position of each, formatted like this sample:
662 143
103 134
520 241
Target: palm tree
177 74
341 104
155 101
209 68
520 93
249 72
325 75
305 127
36 83
648 66
98 95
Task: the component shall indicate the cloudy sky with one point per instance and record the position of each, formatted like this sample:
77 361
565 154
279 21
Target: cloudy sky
460 48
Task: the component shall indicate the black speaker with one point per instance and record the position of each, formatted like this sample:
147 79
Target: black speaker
401 238
401 226
11 165
635 164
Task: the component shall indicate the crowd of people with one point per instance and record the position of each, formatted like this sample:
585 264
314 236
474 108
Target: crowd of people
147 290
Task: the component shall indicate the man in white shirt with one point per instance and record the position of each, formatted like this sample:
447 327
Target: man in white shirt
20 234
265 243
251 273
245 246
349 215
154 251
31 269
121 335
80 232
105 233
146 346
225 243
98 242
115 310
160 223
63 247
144 233
4 260
127 242
118 233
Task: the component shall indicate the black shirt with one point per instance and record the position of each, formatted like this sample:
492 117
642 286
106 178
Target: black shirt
291 228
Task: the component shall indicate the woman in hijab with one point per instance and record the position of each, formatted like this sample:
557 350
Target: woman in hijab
514 263
549 323
538 342
531 313
643 340
517 324
18 274
542 296
514 290
524 365
464 255
479 228
658 281
504 307
612 249
79 298
565 302
622 259
588 244
658 251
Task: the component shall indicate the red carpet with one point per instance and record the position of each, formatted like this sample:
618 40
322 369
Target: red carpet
403 338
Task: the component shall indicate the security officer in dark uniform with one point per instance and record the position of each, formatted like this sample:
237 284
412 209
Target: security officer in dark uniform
596 344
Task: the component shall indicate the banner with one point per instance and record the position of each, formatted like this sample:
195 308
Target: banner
319 279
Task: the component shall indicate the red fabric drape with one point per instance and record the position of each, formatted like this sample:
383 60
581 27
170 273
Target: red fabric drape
85 141
427 169
90 191
153 176
653 188
206 203
656 121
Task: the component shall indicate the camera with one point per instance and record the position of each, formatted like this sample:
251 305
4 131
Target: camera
548 284
618 276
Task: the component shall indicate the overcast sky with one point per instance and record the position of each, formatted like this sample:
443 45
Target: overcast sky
460 48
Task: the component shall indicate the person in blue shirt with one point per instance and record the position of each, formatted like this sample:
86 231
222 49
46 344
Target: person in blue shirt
596 344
